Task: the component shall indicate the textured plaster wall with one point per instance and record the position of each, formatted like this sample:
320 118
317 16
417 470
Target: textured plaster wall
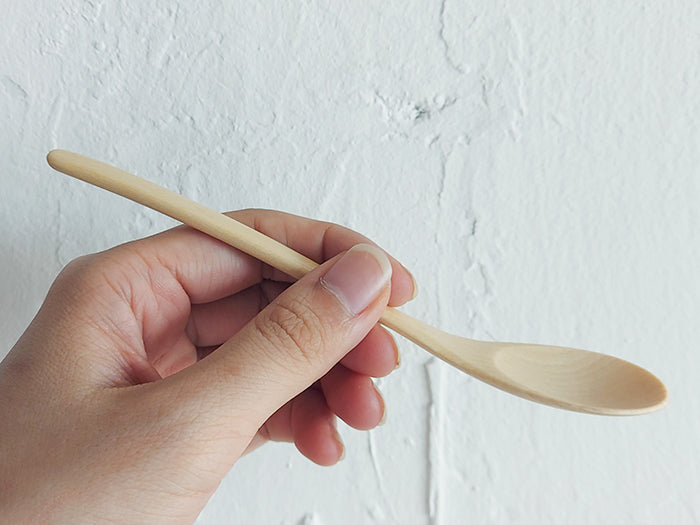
535 164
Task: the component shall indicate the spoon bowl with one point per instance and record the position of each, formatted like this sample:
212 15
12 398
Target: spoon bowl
566 378
578 380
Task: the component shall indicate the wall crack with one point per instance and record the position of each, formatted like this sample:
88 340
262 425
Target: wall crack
458 68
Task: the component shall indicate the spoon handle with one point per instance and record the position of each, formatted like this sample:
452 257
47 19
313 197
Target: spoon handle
201 218
182 209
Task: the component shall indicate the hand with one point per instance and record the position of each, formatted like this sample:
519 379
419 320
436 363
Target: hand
109 409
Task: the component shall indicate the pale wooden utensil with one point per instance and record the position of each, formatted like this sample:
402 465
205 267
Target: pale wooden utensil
561 377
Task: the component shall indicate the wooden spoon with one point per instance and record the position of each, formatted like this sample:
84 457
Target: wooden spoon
561 377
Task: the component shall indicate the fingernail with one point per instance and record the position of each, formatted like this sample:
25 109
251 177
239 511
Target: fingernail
415 287
383 419
342 453
341 446
358 277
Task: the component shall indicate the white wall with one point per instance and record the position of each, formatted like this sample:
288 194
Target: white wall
535 165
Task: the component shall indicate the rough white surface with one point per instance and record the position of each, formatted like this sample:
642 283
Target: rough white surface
535 164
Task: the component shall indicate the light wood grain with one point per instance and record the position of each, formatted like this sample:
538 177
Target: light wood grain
565 378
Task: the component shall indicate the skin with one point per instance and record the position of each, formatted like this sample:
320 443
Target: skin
153 366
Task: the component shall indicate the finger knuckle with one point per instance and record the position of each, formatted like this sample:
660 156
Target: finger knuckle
75 279
294 325
75 268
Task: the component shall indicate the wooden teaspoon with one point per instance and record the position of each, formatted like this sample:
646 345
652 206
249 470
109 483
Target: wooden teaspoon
566 378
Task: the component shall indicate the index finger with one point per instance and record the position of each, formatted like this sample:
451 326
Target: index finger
209 270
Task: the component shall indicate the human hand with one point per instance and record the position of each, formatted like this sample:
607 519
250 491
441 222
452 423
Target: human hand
108 411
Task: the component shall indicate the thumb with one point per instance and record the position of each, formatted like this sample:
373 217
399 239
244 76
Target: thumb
298 337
